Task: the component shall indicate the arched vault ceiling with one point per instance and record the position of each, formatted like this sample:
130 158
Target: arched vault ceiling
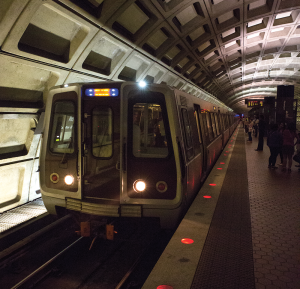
229 48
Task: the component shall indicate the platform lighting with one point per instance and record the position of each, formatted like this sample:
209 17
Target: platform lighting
142 84
187 241
66 85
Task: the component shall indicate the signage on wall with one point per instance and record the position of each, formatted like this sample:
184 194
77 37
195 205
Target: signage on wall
254 102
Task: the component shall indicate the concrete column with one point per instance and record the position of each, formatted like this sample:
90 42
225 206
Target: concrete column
284 108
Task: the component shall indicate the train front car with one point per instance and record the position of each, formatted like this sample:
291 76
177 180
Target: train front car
109 150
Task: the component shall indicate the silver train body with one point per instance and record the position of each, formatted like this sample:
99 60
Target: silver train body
114 150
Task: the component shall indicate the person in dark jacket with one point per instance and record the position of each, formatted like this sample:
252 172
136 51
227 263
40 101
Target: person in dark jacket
288 148
255 126
281 128
274 142
261 133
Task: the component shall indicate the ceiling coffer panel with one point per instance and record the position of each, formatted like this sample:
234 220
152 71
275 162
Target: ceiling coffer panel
222 46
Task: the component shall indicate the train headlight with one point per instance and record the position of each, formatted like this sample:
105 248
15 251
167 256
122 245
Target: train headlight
139 186
161 186
142 84
69 180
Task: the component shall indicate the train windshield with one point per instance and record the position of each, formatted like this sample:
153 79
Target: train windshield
62 133
149 137
102 132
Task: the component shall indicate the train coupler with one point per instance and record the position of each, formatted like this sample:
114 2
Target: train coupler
103 231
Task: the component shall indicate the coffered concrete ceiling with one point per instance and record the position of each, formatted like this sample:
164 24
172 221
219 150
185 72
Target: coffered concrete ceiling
232 49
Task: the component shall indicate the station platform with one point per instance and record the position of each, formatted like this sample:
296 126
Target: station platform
242 230
14 217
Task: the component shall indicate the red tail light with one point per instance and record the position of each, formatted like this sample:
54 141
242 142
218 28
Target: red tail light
161 186
54 178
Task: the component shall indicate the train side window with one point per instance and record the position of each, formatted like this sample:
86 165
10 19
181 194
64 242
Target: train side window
211 114
225 120
148 131
221 126
204 126
196 114
102 132
217 123
62 131
187 134
209 127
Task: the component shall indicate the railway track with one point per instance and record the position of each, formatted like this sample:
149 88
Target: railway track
106 264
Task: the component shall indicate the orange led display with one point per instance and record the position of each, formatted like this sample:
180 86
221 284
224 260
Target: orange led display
102 92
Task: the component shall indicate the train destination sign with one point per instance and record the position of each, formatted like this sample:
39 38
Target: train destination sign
254 102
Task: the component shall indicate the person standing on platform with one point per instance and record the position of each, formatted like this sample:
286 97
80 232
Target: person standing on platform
246 125
250 129
297 156
255 126
288 147
274 142
261 133
281 128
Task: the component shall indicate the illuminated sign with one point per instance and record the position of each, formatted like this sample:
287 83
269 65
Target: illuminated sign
102 92
204 110
254 102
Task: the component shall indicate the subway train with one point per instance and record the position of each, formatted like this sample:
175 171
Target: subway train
124 149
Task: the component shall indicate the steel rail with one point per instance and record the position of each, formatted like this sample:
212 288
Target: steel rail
44 265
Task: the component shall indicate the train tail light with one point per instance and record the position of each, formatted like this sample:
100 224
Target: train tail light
139 186
69 180
54 178
161 186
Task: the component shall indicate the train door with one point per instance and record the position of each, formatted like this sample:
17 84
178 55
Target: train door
101 144
191 146
221 127
197 113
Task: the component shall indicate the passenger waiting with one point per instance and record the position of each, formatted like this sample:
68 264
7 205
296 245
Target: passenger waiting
261 133
288 147
296 157
250 129
274 142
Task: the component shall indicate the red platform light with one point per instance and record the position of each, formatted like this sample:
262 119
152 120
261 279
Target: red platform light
222 163
187 241
225 155
212 185
227 151
219 168
164 287
207 197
